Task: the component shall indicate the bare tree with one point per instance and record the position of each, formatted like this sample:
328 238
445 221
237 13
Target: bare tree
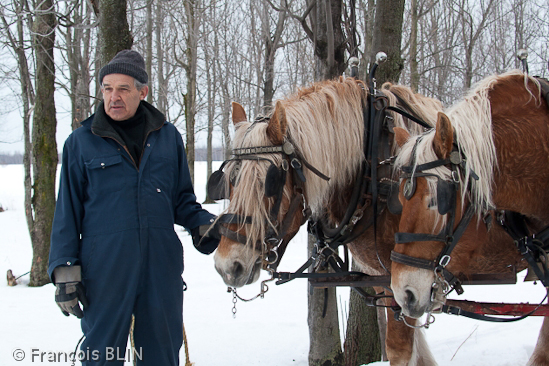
78 38
44 146
272 41
388 38
114 31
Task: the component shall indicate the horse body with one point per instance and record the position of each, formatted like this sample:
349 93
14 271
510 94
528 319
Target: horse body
502 130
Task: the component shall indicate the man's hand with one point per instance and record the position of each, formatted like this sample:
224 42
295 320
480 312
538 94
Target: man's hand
70 291
206 237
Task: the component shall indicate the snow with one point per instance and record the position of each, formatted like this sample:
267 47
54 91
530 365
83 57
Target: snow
270 332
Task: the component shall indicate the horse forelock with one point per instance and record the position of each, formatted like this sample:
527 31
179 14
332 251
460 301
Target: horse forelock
248 192
424 153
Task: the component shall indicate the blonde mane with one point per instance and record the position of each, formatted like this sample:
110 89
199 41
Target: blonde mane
325 122
471 120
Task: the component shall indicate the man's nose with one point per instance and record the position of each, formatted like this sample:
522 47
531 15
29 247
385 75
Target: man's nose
115 95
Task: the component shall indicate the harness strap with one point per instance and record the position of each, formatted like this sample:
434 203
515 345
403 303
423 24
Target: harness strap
412 261
233 235
454 310
234 219
403 238
408 115
515 225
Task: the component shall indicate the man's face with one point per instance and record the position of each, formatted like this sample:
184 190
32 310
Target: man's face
121 96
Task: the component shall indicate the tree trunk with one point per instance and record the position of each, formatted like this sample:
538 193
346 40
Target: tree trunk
162 83
211 83
328 38
388 38
44 152
414 73
326 33
369 16
190 98
324 340
78 58
272 44
149 47
114 32
362 341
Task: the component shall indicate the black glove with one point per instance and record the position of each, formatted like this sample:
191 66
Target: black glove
70 291
206 237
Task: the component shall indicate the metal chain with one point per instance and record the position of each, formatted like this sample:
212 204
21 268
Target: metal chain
430 320
261 294
234 303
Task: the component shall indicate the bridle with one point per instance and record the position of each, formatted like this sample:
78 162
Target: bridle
293 163
445 281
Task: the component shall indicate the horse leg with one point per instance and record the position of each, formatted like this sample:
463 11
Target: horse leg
540 357
406 346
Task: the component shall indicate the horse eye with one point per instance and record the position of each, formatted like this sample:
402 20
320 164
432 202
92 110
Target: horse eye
432 203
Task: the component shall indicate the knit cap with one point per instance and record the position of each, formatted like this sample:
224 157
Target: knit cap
126 62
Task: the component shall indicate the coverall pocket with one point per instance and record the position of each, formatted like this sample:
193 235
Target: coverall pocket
105 173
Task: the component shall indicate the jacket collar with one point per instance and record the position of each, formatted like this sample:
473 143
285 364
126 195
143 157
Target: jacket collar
100 126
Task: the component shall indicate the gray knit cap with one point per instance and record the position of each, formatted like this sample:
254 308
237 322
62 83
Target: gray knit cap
126 62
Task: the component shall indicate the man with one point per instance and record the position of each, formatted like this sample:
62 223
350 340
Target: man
124 183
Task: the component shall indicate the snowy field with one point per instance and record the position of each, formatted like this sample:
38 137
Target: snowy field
269 332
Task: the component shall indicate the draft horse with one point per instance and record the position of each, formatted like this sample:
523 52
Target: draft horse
277 179
489 154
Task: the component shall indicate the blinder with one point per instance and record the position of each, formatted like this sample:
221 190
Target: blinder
275 179
217 187
446 196
446 192
393 203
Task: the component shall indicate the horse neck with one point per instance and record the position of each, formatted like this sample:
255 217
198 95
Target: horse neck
376 244
333 146
521 136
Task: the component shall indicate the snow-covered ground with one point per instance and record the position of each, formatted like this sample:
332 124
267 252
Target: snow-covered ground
269 332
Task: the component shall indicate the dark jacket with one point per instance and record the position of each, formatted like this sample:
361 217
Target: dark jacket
109 210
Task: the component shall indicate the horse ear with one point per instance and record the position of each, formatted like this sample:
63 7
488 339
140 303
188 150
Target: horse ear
401 136
277 125
239 115
444 136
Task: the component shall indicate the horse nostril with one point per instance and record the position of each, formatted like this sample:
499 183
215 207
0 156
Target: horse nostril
411 299
238 269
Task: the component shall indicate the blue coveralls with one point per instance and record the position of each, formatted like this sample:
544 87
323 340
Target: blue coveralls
117 221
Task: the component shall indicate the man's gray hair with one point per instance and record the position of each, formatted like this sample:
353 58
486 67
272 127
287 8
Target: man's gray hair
139 85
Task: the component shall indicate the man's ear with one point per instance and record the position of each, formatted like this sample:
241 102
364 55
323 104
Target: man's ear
143 92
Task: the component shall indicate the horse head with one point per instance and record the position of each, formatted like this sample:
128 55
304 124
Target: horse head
264 184
434 217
